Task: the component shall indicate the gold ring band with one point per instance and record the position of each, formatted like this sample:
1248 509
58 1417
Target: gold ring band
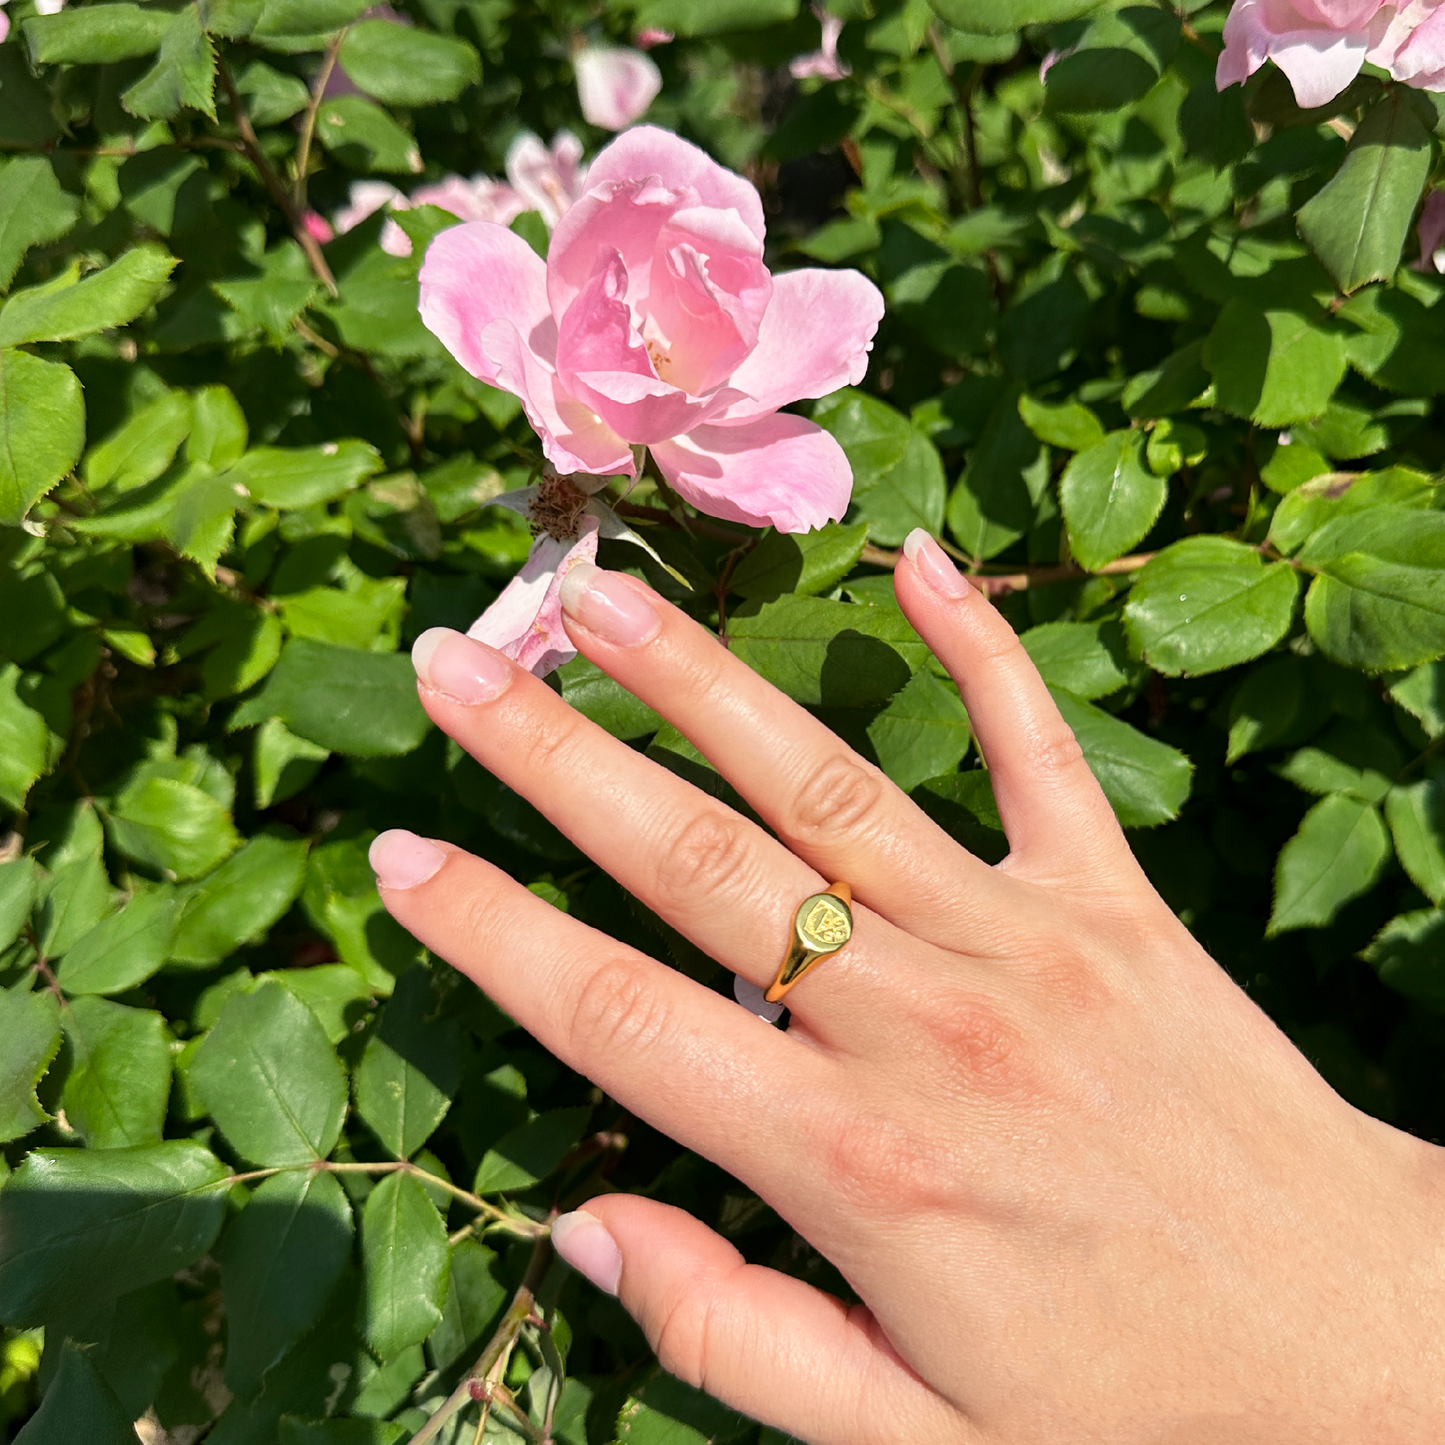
822 926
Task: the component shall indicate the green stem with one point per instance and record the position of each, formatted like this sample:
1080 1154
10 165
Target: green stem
308 125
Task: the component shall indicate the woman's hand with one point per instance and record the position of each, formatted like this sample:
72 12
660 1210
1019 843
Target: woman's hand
1086 1189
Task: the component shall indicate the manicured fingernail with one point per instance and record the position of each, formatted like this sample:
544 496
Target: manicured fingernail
402 860
583 1242
459 668
604 603
932 564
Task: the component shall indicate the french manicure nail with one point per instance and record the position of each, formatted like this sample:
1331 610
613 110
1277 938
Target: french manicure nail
459 668
402 860
585 1244
933 566
604 603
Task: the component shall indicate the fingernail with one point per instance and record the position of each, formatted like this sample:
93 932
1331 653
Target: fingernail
932 565
459 668
402 860
583 1242
604 603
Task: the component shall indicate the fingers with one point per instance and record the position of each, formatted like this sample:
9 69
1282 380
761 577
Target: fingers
1053 809
687 1060
771 1346
835 811
715 876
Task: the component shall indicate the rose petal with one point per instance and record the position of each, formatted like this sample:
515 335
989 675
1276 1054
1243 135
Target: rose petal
815 337
525 622
615 85
1318 71
548 181
1421 59
478 199
780 471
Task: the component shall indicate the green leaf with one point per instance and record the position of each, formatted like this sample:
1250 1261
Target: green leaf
341 900
241 900
274 299
270 1079
64 309
1067 424
838 654
289 478
1320 500
1266 706
218 428
123 950
78 1406
284 763
1118 59
803 564
1087 659
42 429
922 733
994 502
1145 781
95 34
401 65
1378 599
1274 367
345 700
33 211
170 824
1110 498
25 752
119 1078
1208 603
1416 815
306 17
271 95
667 1412
713 17
529 1153
410 1069
30 1027
143 447
1351 756
19 890
1338 853
605 701
1421 693
1174 386
281 1261
1409 955
363 137
184 75
77 1225
35 609
1001 17
474 1298
340 1431
1357 224
405 1263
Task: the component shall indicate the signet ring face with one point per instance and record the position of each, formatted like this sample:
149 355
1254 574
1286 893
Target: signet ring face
822 925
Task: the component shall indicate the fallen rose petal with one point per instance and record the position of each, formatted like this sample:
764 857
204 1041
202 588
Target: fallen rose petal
615 85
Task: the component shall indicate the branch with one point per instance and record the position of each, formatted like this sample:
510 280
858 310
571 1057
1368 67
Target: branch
308 125
272 181
1000 584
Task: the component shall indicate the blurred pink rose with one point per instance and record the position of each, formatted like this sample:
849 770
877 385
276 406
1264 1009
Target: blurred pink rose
649 36
823 63
1321 44
4 24
549 180
654 322
318 227
478 199
614 85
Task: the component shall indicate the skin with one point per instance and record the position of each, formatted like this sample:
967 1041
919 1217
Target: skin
1086 1190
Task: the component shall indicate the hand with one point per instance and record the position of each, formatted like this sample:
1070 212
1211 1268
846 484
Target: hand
1086 1190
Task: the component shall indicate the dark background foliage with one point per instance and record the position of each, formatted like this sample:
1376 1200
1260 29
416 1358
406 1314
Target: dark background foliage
1156 365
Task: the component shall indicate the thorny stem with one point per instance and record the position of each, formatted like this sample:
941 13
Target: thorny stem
963 97
272 181
308 125
42 964
519 1312
995 585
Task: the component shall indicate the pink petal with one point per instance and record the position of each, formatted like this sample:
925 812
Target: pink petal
479 273
317 227
1431 230
548 181
1339 14
815 337
4 26
1421 60
478 199
525 622
779 471
1247 37
649 150
364 199
649 36
615 85
1319 69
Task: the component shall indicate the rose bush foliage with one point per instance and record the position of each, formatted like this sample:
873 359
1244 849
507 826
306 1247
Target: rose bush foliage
1159 360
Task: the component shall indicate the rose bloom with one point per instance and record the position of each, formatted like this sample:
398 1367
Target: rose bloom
1321 44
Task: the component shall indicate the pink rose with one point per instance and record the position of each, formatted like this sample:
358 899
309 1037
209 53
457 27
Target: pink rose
614 85
549 180
823 63
654 322
478 199
1321 44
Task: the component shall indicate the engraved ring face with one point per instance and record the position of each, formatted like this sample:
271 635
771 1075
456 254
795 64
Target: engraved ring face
823 923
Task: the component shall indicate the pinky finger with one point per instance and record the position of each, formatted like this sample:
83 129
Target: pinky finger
776 1349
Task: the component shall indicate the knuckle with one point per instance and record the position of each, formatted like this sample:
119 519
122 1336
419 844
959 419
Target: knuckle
841 794
618 1009
547 748
983 1052
709 856
1057 750
876 1161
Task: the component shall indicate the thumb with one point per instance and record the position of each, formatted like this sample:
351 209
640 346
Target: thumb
776 1349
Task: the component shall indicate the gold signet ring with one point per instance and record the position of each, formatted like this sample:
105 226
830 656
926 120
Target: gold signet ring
822 925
